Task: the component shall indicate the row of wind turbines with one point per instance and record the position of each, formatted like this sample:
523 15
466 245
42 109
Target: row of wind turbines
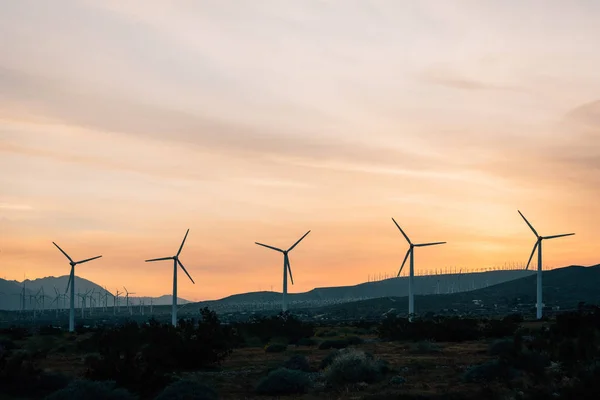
288 269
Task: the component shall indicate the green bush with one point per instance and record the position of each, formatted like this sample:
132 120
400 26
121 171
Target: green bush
275 348
297 362
283 381
188 390
90 390
353 366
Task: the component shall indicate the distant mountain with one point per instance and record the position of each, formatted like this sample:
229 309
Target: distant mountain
563 288
10 290
396 287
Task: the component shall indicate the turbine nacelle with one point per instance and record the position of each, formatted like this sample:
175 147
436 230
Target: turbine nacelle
176 257
286 259
539 239
411 246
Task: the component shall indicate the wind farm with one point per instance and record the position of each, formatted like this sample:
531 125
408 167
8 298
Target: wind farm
275 133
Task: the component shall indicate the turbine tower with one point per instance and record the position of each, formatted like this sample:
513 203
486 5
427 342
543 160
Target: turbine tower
411 299
538 247
71 283
286 267
176 261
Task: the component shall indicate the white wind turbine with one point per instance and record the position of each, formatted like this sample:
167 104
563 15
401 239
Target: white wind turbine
538 247
411 299
72 284
286 267
176 261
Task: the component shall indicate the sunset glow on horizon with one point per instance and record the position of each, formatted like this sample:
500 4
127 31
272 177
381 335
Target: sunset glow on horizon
122 124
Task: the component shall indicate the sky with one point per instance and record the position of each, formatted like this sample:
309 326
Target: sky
123 124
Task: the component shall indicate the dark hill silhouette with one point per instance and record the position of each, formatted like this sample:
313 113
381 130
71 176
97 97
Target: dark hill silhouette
396 287
563 288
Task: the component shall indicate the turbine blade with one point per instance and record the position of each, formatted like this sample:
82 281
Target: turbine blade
62 251
159 259
299 240
185 237
403 234
184 270
87 259
270 247
289 267
530 226
403 262
428 244
532 253
557 236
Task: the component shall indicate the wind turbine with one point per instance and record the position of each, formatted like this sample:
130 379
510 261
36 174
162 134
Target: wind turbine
538 247
127 300
72 284
411 299
176 261
286 267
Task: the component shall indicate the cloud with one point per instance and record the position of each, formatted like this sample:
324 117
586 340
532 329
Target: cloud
448 78
166 124
16 207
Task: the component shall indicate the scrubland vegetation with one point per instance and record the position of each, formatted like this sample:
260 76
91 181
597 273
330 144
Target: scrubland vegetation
432 358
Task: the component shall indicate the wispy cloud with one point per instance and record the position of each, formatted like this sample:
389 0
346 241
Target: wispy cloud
16 207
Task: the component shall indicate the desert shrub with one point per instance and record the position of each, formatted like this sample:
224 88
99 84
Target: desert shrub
297 362
328 359
333 344
252 341
49 330
89 390
40 346
283 381
426 347
501 347
20 375
188 390
489 371
506 326
326 333
8 344
15 332
275 348
398 380
440 329
141 357
353 340
353 366
281 325
307 342
50 381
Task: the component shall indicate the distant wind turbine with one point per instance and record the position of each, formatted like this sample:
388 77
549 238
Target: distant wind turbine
286 267
71 283
176 261
411 299
538 247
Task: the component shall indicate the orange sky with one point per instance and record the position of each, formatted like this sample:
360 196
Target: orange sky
122 125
